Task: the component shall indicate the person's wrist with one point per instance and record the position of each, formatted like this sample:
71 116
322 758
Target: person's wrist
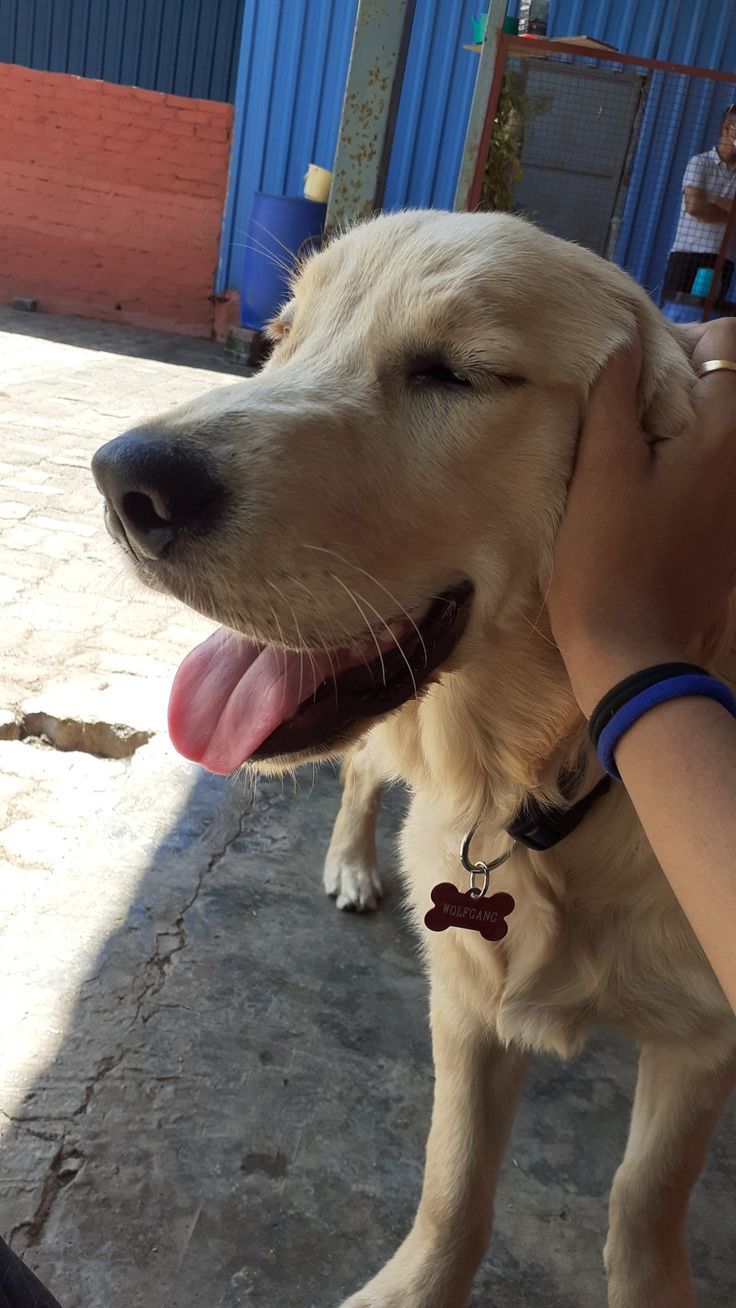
597 666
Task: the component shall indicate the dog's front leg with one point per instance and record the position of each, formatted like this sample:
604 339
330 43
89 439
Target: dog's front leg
680 1095
351 868
477 1089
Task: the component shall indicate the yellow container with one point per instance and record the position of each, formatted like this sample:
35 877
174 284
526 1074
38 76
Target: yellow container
317 183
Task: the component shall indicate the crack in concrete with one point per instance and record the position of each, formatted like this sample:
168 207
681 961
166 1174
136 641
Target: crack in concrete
69 1159
106 1066
65 1165
27 1130
158 964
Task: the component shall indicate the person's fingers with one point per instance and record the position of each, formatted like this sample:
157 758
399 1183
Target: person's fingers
714 395
691 333
717 340
614 394
703 461
715 415
612 437
711 436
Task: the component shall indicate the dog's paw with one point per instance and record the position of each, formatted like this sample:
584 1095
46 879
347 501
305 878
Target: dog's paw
354 885
640 1273
406 1282
367 1299
375 1295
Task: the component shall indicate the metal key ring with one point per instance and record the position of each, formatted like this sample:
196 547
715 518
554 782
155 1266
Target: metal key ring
480 869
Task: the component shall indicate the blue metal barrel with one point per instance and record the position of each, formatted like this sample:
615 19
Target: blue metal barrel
280 226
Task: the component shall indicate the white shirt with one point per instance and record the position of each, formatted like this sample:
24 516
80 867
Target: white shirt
707 172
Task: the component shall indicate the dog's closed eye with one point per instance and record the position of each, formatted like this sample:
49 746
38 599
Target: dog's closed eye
433 372
442 375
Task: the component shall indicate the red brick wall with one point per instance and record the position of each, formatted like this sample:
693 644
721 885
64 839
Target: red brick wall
111 199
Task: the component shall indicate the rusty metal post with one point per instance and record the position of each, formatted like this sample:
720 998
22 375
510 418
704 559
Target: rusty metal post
479 105
375 75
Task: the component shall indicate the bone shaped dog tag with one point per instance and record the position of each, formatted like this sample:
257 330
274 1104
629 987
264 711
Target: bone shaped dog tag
453 908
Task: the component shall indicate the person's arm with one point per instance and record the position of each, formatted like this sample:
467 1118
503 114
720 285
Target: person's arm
706 208
644 559
697 201
678 763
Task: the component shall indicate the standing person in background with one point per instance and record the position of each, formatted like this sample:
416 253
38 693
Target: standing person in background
708 191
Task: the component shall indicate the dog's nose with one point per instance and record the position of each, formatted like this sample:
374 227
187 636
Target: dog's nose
155 488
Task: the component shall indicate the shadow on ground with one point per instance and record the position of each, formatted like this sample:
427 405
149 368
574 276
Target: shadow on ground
253 1134
117 338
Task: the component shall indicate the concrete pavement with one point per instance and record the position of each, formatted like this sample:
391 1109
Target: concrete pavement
214 1088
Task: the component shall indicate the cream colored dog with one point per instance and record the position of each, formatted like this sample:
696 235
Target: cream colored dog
372 520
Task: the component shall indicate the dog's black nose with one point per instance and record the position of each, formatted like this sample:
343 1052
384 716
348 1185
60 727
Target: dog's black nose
155 488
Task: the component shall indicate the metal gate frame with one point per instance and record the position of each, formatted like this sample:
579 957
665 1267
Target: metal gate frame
508 46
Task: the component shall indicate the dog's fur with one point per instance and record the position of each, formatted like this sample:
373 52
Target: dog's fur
348 476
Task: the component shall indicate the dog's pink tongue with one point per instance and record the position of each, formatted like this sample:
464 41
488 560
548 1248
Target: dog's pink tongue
229 695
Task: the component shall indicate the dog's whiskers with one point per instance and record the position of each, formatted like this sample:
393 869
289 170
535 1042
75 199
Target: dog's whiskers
274 238
302 645
324 550
534 629
364 616
252 242
282 642
248 245
533 625
321 639
396 641
121 578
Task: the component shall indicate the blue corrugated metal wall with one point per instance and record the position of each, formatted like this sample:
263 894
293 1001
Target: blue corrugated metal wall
182 47
434 106
293 64
681 115
657 29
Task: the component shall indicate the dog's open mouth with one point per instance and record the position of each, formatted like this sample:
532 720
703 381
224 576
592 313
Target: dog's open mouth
233 700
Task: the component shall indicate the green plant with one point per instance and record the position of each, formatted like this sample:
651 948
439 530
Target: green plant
503 166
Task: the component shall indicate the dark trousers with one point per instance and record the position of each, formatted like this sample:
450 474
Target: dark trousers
682 266
19 1288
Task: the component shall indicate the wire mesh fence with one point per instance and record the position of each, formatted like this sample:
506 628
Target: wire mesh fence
634 158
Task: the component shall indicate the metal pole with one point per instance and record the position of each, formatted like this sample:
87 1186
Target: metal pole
376 72
479 105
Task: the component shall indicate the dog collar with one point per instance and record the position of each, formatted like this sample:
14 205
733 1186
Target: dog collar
534 827
540 828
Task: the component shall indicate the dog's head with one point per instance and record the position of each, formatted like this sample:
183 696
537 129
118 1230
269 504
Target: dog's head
387 490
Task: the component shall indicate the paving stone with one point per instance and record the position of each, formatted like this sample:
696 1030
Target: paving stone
13 510
22 538
9 589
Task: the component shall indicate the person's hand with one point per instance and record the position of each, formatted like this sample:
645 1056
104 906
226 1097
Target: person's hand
646 552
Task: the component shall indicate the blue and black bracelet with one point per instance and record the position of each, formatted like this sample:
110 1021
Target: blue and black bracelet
628 701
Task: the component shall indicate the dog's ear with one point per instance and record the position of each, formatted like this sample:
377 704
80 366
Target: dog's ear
604 310
601 308
665 385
